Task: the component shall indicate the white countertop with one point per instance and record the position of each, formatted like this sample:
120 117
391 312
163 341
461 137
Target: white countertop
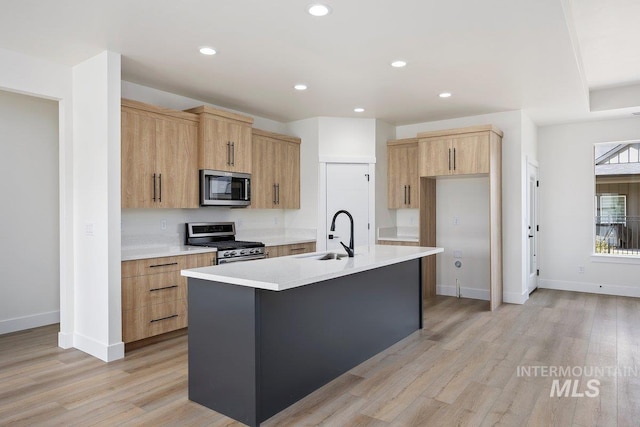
162 251
278 274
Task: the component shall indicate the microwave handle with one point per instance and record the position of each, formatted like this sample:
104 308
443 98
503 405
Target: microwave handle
246 189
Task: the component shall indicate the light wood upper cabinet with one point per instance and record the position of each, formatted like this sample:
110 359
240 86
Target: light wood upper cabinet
465 153
158 157
224 140
403 180
275 181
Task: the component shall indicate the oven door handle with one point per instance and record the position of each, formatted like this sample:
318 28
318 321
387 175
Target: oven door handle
238 259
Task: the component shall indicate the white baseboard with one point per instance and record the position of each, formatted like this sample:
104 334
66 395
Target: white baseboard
515 298
472 293
65 340
107 353
27 322
594 288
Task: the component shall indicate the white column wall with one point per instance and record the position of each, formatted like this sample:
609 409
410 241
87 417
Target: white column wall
96 99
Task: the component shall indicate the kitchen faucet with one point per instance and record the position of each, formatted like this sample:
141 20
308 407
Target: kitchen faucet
349 248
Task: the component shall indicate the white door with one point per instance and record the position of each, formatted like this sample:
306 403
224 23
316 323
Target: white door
348 189
532 227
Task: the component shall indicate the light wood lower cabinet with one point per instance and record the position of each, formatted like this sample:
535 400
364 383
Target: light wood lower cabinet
154 294
286 250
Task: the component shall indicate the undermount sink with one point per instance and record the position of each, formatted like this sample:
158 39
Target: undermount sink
324 257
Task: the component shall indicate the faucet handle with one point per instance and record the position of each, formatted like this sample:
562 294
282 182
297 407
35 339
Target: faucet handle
333 236
348 249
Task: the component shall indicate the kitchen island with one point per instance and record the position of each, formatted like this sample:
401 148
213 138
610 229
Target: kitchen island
264 334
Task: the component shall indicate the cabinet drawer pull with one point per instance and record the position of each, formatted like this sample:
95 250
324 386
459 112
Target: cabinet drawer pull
163 265
162 289
302 248
154 187
163 318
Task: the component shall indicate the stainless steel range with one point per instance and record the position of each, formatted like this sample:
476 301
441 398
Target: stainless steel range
222 235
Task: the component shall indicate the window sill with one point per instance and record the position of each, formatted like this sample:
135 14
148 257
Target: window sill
616 259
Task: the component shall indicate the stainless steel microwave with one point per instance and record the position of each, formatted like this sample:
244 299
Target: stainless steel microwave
220 188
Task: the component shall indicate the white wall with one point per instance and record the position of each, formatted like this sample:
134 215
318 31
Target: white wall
307 216
513 160
32 76
567 187
160 98
30 213
96 130
347 137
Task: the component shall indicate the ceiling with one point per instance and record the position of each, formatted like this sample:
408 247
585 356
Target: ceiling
541 56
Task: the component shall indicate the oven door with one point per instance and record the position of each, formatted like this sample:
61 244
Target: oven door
219 188
241 258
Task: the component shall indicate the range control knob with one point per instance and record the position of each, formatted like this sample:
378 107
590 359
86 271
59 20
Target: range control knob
227 254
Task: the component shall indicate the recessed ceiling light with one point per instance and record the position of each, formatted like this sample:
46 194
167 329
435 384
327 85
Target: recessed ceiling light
445 95
300 86
399 64
359 110
319 10
206 50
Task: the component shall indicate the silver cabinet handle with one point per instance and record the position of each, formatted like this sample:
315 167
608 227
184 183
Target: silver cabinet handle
228 152
233 153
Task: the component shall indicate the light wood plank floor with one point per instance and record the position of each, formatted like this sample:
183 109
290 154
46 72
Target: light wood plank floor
461 369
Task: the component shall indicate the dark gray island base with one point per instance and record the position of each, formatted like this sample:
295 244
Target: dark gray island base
254 352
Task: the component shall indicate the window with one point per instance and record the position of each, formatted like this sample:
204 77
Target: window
617 198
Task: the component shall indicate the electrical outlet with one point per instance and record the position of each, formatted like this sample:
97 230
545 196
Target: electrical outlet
581 269
89 229
163 224
456 220
457 253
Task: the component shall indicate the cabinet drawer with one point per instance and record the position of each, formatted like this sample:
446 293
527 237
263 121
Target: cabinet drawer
300 248
152 289
152 266
153 320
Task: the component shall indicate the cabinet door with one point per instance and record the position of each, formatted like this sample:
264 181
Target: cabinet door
138 159
272 251
435 157
412 177
288 170
176 146
471 154
397 185
263 178
240 138
214 148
